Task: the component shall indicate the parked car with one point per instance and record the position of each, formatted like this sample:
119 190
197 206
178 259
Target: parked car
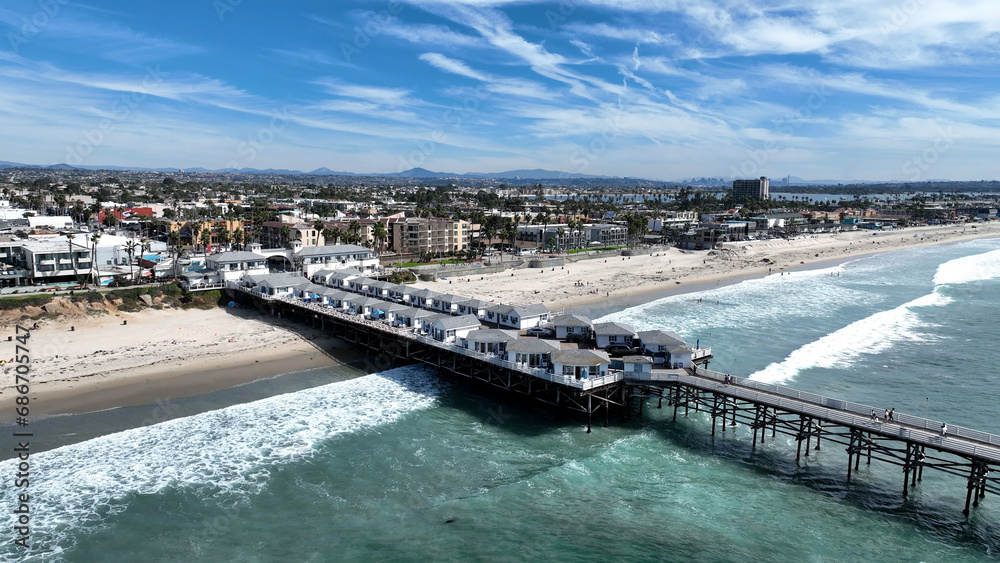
539 331
620 350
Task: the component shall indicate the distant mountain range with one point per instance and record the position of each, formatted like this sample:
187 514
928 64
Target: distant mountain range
536 174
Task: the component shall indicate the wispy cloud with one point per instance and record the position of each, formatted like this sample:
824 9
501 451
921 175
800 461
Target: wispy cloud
447 64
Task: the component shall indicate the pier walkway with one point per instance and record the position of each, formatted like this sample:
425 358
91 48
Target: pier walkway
805 416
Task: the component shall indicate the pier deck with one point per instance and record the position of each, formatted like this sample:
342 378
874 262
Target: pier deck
905 441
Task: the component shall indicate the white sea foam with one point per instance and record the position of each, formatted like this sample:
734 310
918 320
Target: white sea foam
231 450
968 269
839 349
748 304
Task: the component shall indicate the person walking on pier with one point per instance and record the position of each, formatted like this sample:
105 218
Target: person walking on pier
944 429
874 416
885 416
891 415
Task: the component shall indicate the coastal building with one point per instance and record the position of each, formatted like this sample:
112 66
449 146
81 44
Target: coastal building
573 327
532 352
751 189
610 333
448 303
475 307
340 279
341 256
416 235
637 366
230 266
600 235
46 260
580 364
450 329
517 316
669 348
490 340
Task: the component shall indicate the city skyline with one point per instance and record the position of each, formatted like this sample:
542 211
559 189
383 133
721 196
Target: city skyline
835 91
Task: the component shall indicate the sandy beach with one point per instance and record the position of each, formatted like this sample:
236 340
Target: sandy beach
159 354
586 282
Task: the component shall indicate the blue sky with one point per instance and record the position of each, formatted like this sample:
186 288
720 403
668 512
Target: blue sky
844 89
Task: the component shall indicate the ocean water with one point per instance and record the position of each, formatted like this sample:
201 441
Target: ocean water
401 466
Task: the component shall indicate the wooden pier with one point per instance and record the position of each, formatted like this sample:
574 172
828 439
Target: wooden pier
814 421
391 346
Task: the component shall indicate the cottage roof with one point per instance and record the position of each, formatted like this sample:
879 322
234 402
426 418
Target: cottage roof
533 346
453 299
336 293
346 274
612 329
580 357
572 320
660 337
332 250
492 335
636 360
236 256
533 310
461 321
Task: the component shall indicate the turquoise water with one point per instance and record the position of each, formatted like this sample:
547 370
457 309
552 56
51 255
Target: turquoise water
399 466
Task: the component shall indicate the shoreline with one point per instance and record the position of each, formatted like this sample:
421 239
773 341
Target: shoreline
168 354
104 363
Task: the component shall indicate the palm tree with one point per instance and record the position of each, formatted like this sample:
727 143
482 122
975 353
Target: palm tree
175 243
354 228
206 240
130 251
93 257
238 238
380 234
559 234
69 240
144 247
286 234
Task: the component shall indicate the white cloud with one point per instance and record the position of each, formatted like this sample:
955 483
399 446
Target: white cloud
447 64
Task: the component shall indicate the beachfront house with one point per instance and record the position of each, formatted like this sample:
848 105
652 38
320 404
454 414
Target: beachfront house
393 312
490 340
639 367
334 298
607 334
331 257
379 289
517 316
341 279
475 307
363 305
281 285
532 352
424 298
424 322
230 266
447 303
409 296
453 329
310 293
573 327
580 364
668 348
394 292
359 284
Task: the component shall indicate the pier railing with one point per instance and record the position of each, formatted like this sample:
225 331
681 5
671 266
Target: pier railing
958 438
569 381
